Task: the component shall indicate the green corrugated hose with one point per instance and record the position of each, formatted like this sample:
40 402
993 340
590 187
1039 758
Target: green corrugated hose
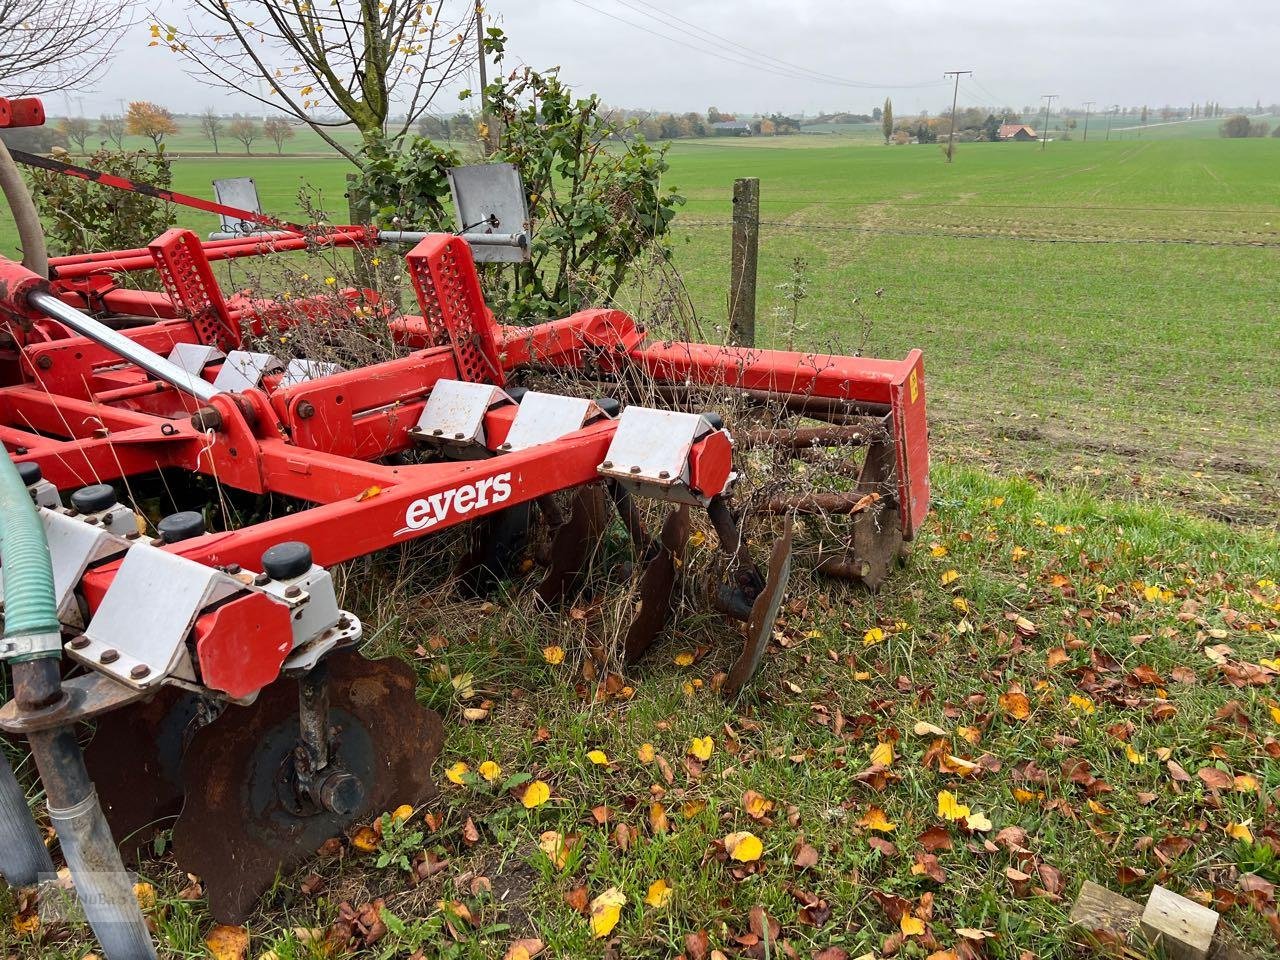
30 607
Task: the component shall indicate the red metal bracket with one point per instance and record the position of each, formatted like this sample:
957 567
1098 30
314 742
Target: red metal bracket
188 279
448 289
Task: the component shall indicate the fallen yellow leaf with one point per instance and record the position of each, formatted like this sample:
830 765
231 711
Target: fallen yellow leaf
227 942
145 894
960 604
911 926
456 772
606 911
556 846
683 659
1081 703
365 839
874 819
949 577
490 771
402 813
1134 756
1240 831
701 747
756 805
535 795
874 635
598 757
1015 704
646 753
882 754
938 550
553 654
659 894
949 807
977 821
744 846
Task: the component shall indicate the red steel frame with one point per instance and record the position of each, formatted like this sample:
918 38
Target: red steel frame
85 417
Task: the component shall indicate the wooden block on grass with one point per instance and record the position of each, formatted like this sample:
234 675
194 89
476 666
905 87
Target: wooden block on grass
1182 927
1104 916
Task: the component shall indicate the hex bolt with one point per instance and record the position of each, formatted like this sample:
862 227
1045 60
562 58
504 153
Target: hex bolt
608 465
92 520
635 469
292 590
664 474
437 432
109 656
344 622
45 362
306 410
504 446
140 671
459 436
261 580
233 568
80 642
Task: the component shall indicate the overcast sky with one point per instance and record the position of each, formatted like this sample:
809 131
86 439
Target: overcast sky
821 55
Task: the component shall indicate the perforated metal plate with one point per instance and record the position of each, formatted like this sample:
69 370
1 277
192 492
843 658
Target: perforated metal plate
455 411
244 370
144 619
544 417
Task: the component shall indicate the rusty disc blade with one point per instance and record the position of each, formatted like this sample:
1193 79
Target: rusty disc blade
240 826
135 763
657 583
574 542
764 611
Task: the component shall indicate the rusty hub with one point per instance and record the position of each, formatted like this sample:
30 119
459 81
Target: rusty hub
244 821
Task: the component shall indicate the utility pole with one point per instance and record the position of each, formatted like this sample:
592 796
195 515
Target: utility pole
955 97
1048 99
1111 113
488 140
1087 105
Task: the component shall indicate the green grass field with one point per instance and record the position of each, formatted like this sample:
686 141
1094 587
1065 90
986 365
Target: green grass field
1102 312
1080 661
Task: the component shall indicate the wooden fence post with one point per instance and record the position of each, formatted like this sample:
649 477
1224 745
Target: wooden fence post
745 253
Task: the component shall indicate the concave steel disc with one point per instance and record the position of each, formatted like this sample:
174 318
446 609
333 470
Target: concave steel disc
240 826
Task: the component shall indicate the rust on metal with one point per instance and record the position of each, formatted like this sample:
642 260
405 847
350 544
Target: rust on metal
764 612
573 542
241 824
657 584
806 438
812 503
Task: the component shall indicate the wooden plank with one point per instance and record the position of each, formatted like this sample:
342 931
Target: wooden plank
1182 927
1103 916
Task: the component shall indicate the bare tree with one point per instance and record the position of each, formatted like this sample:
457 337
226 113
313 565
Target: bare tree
279 130
77 129
112 128
47 46
362 57
211 124
244 129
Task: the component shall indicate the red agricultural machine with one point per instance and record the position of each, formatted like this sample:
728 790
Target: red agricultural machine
224 684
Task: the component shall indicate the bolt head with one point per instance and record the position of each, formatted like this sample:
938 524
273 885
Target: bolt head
504 446
664 474
45 362
140 671
635 469
437 432
80 642
261 580
459 436
109 656
306 410
293 590
608 464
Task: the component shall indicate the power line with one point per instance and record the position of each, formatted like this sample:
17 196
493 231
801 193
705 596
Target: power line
788 73
1048 99
660 15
